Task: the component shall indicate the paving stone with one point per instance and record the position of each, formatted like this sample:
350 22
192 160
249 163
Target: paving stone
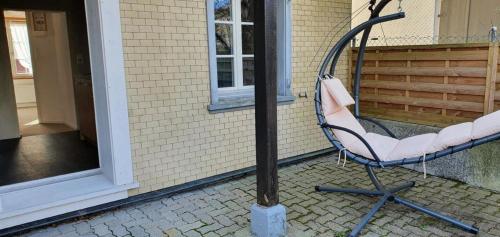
172 233
47 233
228 230
101 230
223 220
211 234
89 235
137 231
83 228
119 231
65 228
71 234
154 232
192 226
209 228
188 217
192 233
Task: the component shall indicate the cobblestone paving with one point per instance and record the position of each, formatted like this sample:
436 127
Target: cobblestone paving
222 210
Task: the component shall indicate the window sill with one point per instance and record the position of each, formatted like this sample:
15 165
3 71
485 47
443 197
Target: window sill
242 103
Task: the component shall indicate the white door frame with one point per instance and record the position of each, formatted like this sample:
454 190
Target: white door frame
110 97
114 178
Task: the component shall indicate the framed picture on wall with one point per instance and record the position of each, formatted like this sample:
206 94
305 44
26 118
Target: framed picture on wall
39 21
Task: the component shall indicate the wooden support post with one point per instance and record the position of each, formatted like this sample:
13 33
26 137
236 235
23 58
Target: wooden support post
408 80
491 78
268 217
377 64
446 81
266 101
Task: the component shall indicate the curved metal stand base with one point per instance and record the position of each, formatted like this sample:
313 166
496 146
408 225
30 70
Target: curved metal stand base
388 194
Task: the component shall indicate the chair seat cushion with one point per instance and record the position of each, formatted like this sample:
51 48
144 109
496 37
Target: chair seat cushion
486 125
414 147
381 145
344 118
454 135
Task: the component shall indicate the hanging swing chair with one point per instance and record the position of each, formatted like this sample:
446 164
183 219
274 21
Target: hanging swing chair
372 150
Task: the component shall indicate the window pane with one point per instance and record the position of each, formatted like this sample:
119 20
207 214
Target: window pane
21 47
247 10
225 72
248 72
222 10
247 39
224 39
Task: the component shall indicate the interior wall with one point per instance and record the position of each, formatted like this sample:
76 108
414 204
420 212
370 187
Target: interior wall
52 71
65 75
9 126
25 93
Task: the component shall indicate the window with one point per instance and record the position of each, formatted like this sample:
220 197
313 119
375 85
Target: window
231 30
17 32
234 45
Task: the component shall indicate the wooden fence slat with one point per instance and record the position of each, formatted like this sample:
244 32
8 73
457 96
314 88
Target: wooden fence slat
491 79
428 71
429 56
497 95
414 117
426 87
423 102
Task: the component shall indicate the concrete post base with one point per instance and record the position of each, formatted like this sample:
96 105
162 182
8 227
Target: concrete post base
268 221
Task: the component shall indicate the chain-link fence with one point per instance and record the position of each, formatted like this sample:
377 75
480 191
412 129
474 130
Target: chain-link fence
432 22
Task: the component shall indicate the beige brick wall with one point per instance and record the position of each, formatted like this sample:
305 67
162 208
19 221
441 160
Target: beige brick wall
174 138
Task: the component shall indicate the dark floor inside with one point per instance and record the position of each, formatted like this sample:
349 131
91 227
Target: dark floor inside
42 156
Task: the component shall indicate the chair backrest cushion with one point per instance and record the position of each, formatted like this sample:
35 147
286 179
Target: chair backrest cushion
334 96
335 99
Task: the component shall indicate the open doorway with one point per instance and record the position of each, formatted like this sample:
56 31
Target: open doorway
50 76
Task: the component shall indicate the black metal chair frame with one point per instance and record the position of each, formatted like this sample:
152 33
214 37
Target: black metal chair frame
387 194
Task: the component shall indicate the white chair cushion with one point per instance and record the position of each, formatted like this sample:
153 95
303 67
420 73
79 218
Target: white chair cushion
454 135
328 104
338 91
344 118
414 147
382 145
486 125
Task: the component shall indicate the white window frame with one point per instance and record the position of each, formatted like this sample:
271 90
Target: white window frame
284 50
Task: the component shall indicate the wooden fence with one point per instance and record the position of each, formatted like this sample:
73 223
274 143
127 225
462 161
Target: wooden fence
436 85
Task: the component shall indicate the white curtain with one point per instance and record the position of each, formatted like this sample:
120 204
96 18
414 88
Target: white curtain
20 43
